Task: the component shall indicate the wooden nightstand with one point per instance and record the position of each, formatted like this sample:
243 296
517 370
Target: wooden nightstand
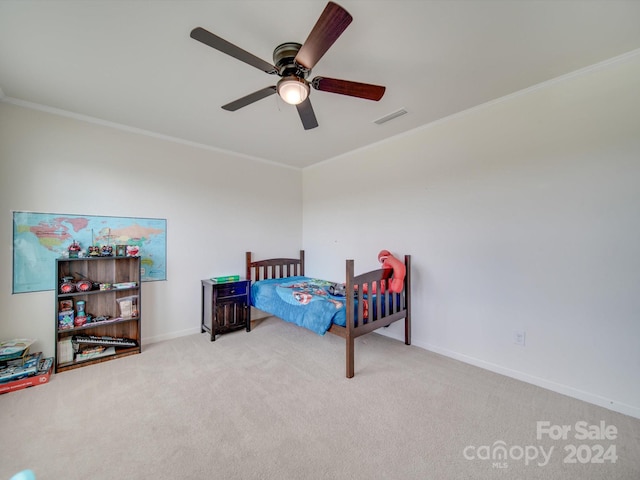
225 306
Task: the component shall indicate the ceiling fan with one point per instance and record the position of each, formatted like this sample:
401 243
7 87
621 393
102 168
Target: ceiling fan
293 63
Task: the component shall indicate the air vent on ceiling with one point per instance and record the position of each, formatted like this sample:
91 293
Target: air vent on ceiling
391 116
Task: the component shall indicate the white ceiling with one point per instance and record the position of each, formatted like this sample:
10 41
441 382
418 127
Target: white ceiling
132 63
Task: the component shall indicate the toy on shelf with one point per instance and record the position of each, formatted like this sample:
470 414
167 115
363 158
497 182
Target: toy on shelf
74 249
81 316
67 285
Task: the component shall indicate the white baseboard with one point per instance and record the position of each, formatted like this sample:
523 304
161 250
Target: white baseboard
169 336
608 403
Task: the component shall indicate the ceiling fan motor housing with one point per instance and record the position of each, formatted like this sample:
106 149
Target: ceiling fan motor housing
283 58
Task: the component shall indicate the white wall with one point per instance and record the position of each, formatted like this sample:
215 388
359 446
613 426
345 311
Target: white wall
522 214
214 202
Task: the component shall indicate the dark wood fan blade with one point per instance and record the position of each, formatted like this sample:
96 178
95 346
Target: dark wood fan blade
223 46
345 87
332 22
307 115
249 99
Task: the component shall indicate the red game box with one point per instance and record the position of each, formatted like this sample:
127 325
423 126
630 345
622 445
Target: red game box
32 381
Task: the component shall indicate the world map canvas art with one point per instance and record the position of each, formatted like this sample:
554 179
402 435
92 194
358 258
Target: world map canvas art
40 238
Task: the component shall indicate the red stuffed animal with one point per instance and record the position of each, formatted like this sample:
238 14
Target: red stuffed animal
394 275
396 283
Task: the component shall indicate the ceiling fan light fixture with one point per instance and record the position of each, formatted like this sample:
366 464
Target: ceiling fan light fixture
293 90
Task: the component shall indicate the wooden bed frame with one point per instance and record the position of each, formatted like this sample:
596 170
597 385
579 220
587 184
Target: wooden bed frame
397 305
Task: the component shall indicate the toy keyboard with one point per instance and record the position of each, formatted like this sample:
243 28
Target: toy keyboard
104 340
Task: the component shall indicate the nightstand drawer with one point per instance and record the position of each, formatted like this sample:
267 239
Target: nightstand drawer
232 289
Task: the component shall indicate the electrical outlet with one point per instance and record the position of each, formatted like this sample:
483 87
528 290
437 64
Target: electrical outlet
519 337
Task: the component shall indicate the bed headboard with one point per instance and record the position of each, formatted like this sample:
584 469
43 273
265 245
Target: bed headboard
274 267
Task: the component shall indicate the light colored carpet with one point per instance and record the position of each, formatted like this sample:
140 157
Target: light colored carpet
274 404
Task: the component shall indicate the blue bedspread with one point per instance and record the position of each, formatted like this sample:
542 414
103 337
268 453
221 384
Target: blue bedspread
301 300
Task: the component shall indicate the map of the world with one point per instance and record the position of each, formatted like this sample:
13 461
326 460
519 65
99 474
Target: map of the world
40 238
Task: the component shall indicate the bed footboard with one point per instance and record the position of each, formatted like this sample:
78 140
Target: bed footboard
373 310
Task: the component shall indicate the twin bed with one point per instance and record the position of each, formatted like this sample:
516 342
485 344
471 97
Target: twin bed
361 305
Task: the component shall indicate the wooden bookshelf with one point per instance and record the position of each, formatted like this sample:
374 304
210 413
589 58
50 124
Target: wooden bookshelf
102 302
